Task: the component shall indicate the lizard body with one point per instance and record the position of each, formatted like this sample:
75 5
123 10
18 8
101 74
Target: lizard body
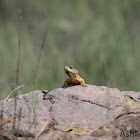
74 77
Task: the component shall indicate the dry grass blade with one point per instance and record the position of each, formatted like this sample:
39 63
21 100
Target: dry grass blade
18 65
39 58
13 91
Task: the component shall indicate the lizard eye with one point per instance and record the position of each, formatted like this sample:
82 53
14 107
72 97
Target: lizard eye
70 67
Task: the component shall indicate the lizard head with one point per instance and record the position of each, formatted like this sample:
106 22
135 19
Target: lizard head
70 71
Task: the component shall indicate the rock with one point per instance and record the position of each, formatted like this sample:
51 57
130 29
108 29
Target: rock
125 127
73 113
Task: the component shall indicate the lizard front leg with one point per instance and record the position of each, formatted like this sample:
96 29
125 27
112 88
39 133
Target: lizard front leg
66 83
81 81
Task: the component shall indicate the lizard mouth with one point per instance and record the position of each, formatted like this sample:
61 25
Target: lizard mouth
67 73
70 71
71 75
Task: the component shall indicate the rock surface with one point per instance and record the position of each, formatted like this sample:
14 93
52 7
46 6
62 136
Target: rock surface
74 113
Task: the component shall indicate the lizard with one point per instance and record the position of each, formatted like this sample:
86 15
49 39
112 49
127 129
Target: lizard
74 77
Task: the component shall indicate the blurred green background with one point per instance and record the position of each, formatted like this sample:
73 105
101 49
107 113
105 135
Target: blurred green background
100 38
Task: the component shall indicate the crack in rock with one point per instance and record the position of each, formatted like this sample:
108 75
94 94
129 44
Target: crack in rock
97 104
131 112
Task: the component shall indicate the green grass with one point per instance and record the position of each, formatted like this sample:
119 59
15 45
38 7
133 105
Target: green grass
99 38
